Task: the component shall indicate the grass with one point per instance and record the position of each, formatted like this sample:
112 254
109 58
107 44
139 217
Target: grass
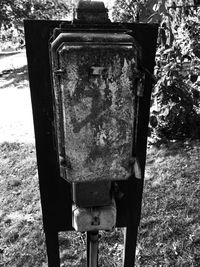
22 241
14 77
169 233
14 71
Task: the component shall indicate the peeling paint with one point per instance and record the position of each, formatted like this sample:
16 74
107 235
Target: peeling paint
95 110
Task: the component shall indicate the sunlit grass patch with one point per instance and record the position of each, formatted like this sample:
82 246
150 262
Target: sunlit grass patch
169 233
171 204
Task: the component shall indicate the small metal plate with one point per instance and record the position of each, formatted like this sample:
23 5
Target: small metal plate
94 219
91 194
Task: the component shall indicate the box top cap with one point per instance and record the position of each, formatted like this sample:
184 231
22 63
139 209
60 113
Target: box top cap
91 5
92 12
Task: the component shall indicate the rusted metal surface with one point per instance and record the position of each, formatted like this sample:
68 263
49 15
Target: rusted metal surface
95 95
92 12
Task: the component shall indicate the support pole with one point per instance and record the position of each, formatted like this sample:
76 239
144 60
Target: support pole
88 249
52 249
92 249
130 241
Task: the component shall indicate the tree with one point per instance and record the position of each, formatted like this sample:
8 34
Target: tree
139 10
177 91
14 11
126 11
176 110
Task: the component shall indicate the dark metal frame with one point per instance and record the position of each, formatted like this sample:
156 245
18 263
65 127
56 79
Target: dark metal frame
55 192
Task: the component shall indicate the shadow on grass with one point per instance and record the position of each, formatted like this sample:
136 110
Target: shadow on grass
168 148
13 77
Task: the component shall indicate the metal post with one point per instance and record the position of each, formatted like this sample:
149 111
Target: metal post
130 241
88 249
52 249
92 249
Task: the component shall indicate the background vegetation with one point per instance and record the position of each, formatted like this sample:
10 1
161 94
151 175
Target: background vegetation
175 112
13 12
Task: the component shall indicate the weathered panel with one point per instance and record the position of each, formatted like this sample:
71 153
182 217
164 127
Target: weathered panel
95 95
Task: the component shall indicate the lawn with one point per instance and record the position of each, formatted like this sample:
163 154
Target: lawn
169 233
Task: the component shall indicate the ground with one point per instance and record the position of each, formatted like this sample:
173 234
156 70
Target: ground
16 123
169 233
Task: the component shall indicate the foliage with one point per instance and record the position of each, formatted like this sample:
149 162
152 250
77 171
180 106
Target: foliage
176 110
177 91
13 12
126 11
139 10
17 10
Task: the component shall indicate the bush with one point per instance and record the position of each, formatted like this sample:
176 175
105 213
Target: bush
177 92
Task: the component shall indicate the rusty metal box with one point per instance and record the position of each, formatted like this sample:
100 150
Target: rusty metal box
93 79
